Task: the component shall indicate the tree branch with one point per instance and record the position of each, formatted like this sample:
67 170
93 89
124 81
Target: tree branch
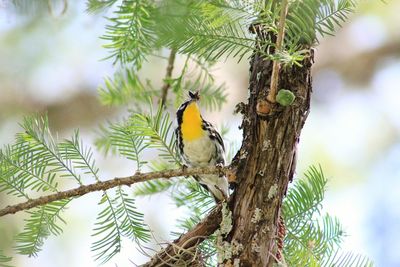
105 185
276 64
182 247
167 82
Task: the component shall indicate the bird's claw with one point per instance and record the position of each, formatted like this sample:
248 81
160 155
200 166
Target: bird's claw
184 168
220 167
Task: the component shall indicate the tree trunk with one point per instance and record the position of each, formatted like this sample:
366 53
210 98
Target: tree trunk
266 161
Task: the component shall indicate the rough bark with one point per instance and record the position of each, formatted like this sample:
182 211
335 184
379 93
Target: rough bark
266 160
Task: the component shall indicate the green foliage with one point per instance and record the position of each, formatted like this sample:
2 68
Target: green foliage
199 78
4 260
154 131
347 260
290 57
120 139
36 162
81 157
152 187
198 202
312 239
304 199
125 87
155 186
310 243
107 230
307 239
214 29
210 29
195 196
43 151
306 18
42 222
157 128
131 221
118 218
202 68
19 173
212 97
131 32
95 6
206 31
141 131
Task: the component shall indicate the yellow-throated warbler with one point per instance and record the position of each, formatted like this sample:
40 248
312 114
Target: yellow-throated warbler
200 145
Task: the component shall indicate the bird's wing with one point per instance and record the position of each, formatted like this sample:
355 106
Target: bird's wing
214 135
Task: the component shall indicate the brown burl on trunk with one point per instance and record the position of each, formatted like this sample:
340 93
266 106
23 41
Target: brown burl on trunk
266 161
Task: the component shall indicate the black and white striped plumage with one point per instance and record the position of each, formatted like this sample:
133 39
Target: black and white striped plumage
200 145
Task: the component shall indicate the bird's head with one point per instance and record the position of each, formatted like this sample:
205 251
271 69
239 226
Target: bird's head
194 96
189 108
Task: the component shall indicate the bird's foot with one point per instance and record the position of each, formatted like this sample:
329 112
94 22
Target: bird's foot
184 168
220 167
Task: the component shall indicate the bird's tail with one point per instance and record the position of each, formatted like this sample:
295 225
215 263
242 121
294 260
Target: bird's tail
216 185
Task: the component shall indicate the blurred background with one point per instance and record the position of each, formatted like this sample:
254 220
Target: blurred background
51 61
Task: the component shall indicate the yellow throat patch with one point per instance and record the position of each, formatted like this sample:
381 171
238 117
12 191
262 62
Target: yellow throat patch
191 123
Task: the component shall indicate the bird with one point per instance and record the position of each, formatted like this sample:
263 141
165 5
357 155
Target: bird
199 145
